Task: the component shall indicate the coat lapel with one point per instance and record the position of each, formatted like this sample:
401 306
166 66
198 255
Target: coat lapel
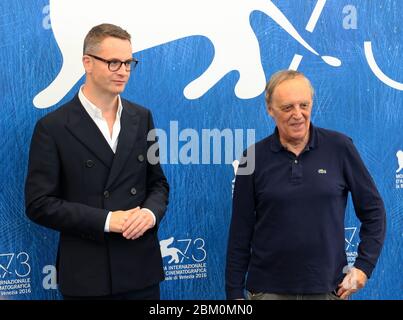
86 131
127 136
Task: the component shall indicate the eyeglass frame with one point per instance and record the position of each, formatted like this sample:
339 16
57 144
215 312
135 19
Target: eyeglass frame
108 62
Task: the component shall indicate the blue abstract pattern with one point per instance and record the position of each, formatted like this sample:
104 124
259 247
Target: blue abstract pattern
361 97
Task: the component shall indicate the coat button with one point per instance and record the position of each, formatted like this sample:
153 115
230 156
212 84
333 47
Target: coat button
133 191
140 158
106 194
89 163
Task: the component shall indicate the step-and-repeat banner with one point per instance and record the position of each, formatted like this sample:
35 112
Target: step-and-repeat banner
202 71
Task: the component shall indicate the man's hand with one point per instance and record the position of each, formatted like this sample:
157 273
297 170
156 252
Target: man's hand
118 219
139 222
354 280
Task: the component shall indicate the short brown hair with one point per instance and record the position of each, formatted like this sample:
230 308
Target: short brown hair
280 77
98 33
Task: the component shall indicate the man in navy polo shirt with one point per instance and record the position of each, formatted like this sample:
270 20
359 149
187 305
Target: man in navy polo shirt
286 238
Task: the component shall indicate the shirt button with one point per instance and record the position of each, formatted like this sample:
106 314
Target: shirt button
106 194
295 161
140 158
133 191
89 163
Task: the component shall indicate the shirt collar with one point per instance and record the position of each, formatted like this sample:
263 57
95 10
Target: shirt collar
92 109
276 145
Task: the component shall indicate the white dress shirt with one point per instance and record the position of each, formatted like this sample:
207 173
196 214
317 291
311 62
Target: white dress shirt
96 115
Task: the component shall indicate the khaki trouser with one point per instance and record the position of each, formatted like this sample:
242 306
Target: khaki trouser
276 296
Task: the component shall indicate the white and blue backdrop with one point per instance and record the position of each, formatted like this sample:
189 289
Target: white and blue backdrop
202 71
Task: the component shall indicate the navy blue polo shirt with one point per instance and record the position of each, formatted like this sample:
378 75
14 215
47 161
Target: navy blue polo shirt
287 228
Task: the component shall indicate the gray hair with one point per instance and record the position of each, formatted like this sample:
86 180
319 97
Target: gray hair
280 77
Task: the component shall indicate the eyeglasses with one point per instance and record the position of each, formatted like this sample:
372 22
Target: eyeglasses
115 65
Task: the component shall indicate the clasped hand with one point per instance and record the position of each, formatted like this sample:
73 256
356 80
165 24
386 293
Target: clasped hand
131 223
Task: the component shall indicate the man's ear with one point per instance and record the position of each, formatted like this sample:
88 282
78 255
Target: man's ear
87 63
269 110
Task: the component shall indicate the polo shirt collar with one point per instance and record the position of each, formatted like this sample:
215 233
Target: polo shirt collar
276 146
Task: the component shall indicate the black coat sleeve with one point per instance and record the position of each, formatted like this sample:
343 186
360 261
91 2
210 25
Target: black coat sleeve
157 186
43 190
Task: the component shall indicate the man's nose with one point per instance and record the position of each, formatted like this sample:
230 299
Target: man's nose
297 112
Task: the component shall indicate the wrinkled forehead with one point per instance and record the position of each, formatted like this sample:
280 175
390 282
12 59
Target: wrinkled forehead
295 88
